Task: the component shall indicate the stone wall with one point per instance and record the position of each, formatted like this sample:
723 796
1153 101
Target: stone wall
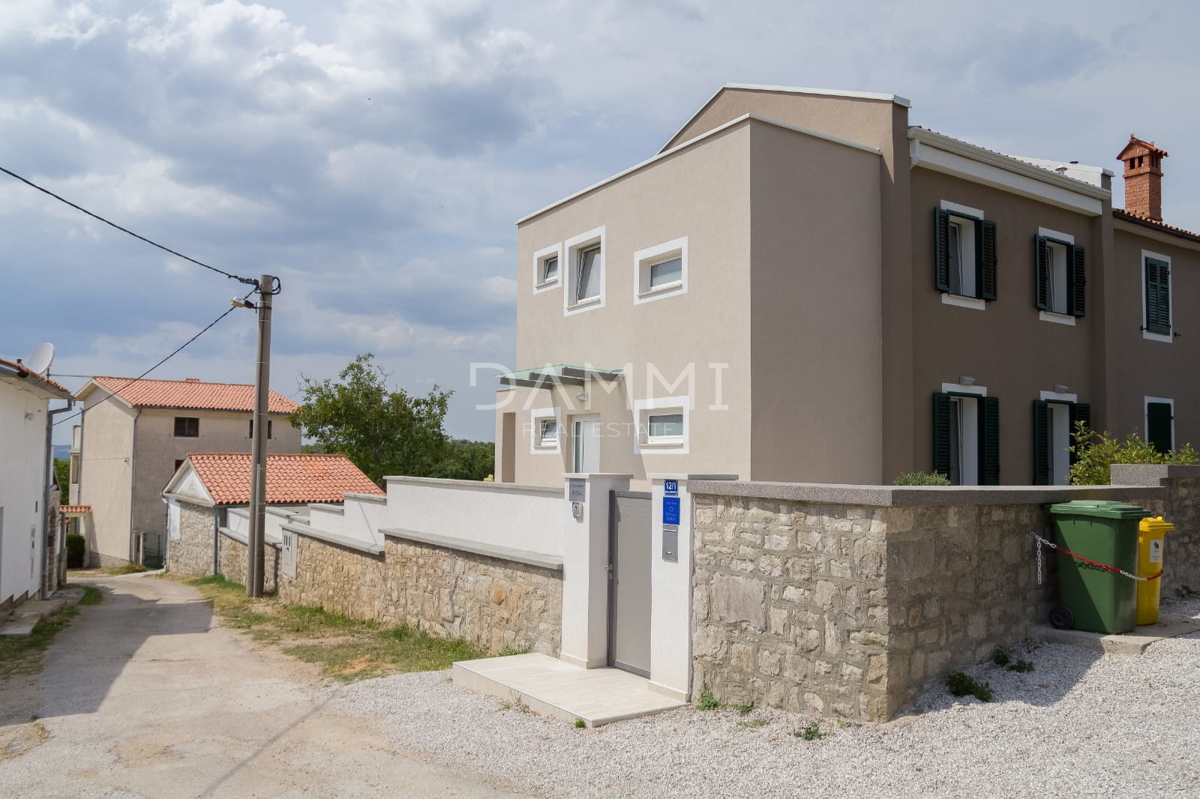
1181 507
490 602
192 552
790 606
340 579
853 608
233 556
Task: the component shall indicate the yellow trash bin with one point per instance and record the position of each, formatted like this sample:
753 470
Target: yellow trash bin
1150 563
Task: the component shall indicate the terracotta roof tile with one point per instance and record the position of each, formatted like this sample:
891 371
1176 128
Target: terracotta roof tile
191 394
291 479
24 370
75 508
1120 213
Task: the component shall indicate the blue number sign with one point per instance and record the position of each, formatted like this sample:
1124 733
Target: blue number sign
671 487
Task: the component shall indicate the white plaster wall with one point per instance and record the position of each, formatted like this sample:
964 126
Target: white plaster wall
22 484
238 520
671 597
360 519
501 514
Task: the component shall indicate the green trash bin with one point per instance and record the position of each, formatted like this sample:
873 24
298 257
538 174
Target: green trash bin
1090 597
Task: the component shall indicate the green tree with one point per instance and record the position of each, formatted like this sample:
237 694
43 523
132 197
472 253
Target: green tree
383 432
62 470
467 460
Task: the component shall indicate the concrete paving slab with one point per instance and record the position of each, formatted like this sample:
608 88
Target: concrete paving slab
29 613
551 687
1133 643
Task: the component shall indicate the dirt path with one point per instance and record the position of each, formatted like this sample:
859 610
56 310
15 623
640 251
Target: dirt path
147 695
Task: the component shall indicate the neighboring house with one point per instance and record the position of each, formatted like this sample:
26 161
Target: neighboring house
208 500
135 434
802 286
26 482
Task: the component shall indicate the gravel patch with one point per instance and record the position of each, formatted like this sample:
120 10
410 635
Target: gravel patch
1078 724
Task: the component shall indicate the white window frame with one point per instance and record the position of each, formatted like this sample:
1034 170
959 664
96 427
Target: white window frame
536 416
1146 415
539 259
643 260
1169 338
569 270
671 445
974 214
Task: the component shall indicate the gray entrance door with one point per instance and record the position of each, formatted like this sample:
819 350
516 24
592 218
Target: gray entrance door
629 582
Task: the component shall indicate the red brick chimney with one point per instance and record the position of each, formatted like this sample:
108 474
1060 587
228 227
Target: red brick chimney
1143 178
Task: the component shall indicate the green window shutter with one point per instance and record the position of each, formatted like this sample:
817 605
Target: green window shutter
941 249
941 434
1158 297
1041 259
989 441
1041 443
1077 291
1159 423
986 260
1080 412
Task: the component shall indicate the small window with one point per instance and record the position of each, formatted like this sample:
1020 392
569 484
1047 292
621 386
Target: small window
1160 423
660 271
550 269
270 429
548 435
582 272
187 427
1156 297
547 266
1061 276
662 426
543 431
587 284
966 438
964 255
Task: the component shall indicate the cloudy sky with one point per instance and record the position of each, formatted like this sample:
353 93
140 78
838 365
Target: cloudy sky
376 153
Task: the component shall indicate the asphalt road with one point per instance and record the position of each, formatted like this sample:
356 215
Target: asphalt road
147 695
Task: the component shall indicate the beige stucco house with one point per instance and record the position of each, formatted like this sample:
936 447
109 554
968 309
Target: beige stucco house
135 434
804 286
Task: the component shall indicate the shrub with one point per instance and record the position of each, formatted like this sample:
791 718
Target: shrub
965 685
76 550
1095 453
922 479
707 702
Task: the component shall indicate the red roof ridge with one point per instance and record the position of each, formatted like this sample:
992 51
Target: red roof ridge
1156 223
27 372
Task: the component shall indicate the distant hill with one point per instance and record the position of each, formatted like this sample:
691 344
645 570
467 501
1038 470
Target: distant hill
62 451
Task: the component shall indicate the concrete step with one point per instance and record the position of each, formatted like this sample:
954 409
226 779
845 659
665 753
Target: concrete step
550 687
1132 643
22 619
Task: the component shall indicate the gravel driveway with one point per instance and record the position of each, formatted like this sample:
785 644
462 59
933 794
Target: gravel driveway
1077 724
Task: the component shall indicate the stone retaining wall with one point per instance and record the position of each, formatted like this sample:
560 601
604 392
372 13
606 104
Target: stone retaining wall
853 609
489 602
233 558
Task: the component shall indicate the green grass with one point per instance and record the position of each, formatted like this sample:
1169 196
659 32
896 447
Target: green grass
744 710
753 724
580 724
91 596
24 654
965 685
707 702
810 733
347 649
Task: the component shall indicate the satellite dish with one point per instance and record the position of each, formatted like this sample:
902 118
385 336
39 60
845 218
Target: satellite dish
40 359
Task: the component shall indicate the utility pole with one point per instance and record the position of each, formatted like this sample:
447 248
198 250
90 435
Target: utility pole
258 446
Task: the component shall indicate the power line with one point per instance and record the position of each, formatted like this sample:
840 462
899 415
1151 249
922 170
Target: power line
113 392
26 181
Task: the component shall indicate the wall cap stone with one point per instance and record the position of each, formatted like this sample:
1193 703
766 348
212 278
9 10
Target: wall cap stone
335 538
1150 474
376 498
480 485
912 496
552 562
